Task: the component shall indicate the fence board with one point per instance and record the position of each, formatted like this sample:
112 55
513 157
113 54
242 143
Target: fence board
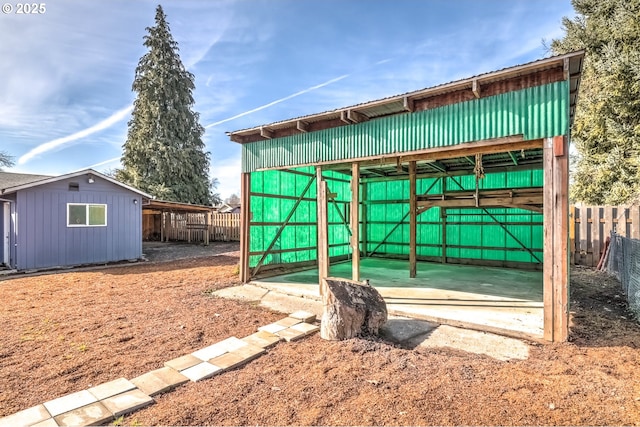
593 224
200 227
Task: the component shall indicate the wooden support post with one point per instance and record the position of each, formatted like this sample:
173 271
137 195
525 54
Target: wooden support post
561 239
443 215
413 218
206 228
572 234
355 222
245 226
162 231
364 217
547 265
595 235
323 231
556 239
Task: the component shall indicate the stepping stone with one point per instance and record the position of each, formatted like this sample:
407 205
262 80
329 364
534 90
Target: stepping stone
305 316
272 328
159 381
210 352
307 328
69 402
183 362
170 376
249 352
89 415
201 371
127 402
26 417
111 388
228 361
150 384
262 339
218 349
49 422
291 334
288 322
232 343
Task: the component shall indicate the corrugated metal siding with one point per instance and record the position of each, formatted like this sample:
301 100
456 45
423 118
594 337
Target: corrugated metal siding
536 112
44 240
300 234
466 228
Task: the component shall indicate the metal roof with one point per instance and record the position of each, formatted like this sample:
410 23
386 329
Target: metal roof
397 104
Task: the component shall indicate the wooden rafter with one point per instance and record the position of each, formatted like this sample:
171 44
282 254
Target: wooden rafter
302 126
475 88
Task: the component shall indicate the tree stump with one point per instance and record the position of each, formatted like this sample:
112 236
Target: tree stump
351 309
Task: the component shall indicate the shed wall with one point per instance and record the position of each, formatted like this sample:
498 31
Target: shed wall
535 112
273 197
44 240
497 235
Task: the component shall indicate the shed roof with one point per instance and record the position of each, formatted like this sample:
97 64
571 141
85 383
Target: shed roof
12 182
570 64
166 205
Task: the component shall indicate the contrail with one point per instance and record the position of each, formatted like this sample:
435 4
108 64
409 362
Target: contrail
48 146
277 101
101 163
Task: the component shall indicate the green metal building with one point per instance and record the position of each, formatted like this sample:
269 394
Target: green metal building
469 172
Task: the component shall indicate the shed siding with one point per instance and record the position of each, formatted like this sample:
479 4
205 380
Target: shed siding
536 112
44 240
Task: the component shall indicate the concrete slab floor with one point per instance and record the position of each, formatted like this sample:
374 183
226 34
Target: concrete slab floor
487 298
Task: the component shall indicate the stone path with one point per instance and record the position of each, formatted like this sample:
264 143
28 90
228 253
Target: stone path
106 402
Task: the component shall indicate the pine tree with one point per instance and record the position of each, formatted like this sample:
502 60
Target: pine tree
164 154
606 130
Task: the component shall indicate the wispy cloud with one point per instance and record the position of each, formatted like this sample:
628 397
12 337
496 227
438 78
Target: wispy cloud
58 142
278 101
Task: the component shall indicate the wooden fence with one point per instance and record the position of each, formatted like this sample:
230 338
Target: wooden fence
195 227
591 225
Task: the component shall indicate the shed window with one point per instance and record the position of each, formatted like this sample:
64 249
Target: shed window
86 215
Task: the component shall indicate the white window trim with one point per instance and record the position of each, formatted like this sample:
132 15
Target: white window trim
86 205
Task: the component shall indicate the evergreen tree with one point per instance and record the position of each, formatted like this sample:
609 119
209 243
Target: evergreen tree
607 123
164 154
5 160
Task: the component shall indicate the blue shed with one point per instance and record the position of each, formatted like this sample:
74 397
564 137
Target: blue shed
79 218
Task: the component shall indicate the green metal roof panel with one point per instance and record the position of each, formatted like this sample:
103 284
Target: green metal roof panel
536 112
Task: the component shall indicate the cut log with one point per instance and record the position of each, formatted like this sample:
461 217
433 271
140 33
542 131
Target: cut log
351 309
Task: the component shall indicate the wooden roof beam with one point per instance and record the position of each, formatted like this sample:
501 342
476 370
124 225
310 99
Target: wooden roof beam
409 104
356 117
302 126
475 88
513 158
266 133
439 166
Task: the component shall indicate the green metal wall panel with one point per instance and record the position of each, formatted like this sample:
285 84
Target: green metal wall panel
269 211
536 112
470 234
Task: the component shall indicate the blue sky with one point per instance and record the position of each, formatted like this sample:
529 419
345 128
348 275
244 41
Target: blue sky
66 74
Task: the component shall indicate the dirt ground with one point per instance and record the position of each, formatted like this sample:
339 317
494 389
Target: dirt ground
64 332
